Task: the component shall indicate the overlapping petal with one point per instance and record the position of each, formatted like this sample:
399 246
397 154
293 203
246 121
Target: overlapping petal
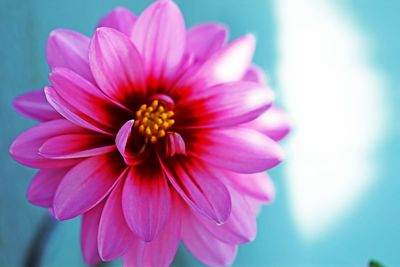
119 18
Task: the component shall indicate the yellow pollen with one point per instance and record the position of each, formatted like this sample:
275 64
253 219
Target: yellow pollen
153 121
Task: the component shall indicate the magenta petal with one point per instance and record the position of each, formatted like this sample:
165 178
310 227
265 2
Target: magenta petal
200 187
224 105
116 65
44 185
241 226
229 64
274 123
255 74
119 18
75 146
35 106
89 231
205 39
146 201
204 246
257 185
85 185
160 36
175 145
134 255
25 148
115 237
237 149
69 49
161 251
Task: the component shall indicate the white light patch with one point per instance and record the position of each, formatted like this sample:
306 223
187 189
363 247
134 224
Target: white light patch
335 98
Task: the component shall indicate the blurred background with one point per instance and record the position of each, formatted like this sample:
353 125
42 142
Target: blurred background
335 66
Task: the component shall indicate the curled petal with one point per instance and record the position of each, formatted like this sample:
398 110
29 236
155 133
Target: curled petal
124 144
25 148
203 40
236 149
89 231
255 74
117 66
160 36
85 185
44 185
69 49
146 200
35 106
119 18
114 237
175 145
200 187
274 123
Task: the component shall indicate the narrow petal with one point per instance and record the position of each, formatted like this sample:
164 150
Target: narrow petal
114 237
255 74
44 185
161 251
75 146
25 148
257 185
89 231
274 123
35 106
224 105
175 145
87 101
241 226
160 36
203 40
204 246
85 185
146 200
69 49
117 66
200 187
72 114
119 18
237 149
229 64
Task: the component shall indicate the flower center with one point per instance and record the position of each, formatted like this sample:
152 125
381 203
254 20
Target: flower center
153 121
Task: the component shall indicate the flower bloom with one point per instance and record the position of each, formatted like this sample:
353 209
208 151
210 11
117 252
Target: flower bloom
155 135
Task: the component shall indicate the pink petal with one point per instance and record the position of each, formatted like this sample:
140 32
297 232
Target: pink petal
175 145
69 49
274 123
200 187
75 146
241 226
229 64
26 146
72 114
119 18
237 149
115 237
117 66
89 231
134 255
123 145
35 106
161 251
160 36
224 105
255 74
204 246
87 101
44 185
203 40
257 185
85 185
146 200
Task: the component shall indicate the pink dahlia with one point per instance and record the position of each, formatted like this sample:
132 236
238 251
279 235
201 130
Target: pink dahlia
155 135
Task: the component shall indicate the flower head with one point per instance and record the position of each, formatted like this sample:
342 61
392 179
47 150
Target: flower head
155 135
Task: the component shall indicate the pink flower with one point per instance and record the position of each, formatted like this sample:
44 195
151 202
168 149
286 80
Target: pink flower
155 135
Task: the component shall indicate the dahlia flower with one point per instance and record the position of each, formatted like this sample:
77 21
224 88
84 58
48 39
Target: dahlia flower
155 135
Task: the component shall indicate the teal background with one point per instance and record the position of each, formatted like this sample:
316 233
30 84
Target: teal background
372 230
